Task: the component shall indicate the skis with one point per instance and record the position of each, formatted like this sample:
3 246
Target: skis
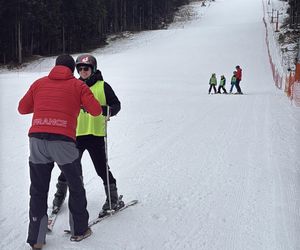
104 215
52 218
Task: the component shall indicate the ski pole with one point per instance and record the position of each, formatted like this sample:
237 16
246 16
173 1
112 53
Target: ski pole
106 155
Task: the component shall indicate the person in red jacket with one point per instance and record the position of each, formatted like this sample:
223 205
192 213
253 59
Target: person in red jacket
55 101
238 79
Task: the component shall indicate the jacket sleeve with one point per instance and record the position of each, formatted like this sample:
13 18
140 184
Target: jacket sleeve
89 102
26 104
111 100
239 74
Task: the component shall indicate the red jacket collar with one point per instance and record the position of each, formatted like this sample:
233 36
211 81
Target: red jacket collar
60 72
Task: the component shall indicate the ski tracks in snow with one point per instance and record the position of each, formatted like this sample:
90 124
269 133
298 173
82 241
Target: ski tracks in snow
227 174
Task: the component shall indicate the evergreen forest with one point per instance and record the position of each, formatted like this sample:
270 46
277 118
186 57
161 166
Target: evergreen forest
49 27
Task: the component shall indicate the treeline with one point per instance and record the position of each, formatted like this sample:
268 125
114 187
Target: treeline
47 27
294 14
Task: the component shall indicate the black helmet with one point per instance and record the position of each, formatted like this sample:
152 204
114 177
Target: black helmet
87 60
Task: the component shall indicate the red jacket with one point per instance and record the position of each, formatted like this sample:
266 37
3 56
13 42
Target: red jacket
55 102
239 73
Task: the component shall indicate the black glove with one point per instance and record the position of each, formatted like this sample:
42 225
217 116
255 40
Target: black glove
104 110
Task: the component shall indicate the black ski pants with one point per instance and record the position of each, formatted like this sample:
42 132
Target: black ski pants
95 145
43 154
223 88
214 87
237 85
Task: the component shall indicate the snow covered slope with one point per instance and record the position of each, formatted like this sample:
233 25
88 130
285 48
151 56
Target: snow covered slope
210 171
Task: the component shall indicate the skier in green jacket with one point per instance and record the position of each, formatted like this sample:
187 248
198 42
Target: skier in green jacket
212 83
222 85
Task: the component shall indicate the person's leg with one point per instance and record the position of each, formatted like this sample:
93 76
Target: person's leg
62 186
40 174
61 192
96 148
238 88
214 86
61 177
77 198
224 90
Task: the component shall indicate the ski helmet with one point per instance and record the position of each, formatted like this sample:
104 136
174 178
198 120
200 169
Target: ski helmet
87 60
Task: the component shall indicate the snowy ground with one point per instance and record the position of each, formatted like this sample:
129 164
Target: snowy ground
210 171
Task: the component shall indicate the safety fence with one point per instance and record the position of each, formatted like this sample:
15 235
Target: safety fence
289 81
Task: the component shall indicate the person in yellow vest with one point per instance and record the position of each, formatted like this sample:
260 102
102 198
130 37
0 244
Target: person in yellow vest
222 85
212 83
91 131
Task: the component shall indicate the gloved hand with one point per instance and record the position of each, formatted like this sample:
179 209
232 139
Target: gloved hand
104 110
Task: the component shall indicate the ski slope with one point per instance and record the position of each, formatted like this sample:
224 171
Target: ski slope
209 171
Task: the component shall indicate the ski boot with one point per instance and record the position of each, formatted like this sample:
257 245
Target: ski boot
37 246
86 234
60 195
116 201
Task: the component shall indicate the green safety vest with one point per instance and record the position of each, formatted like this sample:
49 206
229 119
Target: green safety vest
233 80
213 80
93 125
222 82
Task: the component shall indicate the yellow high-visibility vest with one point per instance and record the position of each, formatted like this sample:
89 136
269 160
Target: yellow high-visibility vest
93 125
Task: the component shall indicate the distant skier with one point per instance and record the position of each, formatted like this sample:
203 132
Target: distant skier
233 82
222 85
212 83
90 131
238 79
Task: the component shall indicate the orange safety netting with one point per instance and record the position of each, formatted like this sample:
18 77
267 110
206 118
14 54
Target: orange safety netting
296 93
292 81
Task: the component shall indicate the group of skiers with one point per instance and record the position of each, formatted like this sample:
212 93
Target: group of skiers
69 116
235 82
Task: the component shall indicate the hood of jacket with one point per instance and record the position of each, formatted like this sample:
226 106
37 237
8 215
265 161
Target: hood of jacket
60 72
